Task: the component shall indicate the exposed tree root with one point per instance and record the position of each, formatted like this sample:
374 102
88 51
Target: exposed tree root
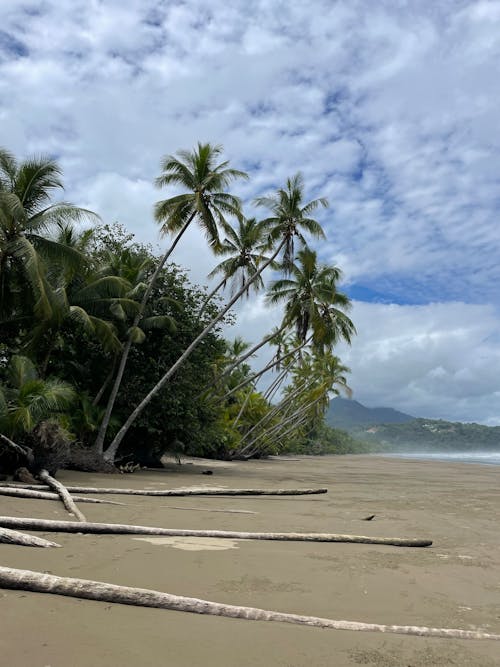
185 492
63 493
46 495
15 537
38 582
124 529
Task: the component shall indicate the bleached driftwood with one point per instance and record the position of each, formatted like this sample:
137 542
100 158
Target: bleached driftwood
183 492
38 582
47 495
63 493
124 529
15 537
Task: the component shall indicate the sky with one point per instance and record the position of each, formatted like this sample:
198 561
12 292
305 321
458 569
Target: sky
388 108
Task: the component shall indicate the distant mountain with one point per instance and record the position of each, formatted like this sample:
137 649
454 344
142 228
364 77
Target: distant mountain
390 430
348 414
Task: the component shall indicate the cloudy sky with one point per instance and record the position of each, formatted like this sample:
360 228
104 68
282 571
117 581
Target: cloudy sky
390 109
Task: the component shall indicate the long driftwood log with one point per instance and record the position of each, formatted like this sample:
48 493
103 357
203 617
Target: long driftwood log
124 529
46 495
15 537
63 493
27 580
183 492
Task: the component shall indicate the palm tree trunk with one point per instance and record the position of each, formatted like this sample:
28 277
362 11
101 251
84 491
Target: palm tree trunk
63 494
48 525
286 401
248 354
269 366
99 443
110 453
8 536
105 384
243 406
211 296
276 429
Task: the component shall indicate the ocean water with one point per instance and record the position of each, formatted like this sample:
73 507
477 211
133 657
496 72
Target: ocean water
486 458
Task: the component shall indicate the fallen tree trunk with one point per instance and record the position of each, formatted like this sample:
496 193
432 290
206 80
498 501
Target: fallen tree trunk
46 495
15 537
183 492
124 529
38 582
63 493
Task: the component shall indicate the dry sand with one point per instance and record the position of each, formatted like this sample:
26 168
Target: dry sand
455 583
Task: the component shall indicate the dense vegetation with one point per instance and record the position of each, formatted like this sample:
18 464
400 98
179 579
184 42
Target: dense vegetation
430 435
385 429
109 354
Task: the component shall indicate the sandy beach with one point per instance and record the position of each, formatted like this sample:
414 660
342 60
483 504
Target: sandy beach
455 583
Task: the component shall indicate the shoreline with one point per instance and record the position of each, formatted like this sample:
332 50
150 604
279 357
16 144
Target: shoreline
455 583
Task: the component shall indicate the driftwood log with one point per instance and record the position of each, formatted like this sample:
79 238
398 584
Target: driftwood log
27 580
15 537
63 493
183 492
124 529
46 495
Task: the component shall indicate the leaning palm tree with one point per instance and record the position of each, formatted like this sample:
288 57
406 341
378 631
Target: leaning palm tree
291 217
206 201
312 300
26 215
313 306
244 248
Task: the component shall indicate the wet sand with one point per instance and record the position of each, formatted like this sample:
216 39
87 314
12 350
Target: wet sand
455 583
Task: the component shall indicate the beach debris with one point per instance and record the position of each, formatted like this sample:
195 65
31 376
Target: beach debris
124 529
47 495
369 518
63 493
15 537
216 491
39 582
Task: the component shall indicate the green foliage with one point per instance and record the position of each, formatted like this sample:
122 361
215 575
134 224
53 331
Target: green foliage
26 400
430 435
72 300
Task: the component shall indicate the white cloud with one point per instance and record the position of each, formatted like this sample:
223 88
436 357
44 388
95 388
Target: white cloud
440 360
389 109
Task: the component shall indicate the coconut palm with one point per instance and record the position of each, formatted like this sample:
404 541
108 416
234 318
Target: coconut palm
205 201
26 400
290 218
26 218
245 249
312 301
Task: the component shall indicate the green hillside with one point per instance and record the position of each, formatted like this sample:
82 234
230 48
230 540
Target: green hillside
388 429
430 434
346 414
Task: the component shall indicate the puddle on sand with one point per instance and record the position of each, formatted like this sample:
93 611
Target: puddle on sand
192 543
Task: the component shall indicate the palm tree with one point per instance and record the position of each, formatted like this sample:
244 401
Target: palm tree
205 201
289 219
313 301
27 400
26 215
245 247
313 307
